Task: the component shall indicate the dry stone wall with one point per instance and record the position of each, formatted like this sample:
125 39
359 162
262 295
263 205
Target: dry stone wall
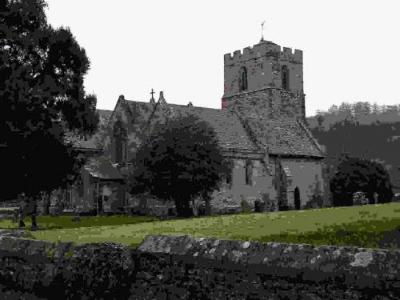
194 268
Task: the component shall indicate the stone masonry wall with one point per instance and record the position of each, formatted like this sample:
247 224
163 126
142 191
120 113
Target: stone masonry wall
196 268
306 175
271 102
263 63
229 197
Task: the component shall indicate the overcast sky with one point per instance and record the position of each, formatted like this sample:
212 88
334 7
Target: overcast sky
351 47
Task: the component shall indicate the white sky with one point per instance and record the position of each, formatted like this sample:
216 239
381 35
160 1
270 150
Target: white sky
351 47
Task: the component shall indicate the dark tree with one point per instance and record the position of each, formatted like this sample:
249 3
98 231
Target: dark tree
181 161
360 175
41 98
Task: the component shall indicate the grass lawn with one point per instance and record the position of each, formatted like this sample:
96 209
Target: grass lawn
363 226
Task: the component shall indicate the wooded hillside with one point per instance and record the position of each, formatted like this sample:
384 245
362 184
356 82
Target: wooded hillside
363 130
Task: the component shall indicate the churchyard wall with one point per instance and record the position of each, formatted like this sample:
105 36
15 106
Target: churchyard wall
196 268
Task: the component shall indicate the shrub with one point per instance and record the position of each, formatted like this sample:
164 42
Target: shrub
360 175
246 208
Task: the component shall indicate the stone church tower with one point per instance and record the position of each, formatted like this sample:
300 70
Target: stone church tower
263 87
267 79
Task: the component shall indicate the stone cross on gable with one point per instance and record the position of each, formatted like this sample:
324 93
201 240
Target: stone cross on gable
152 100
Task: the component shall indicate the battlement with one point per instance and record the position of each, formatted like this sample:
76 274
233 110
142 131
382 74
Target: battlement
264 48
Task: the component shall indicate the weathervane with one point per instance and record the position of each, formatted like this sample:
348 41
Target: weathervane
262 31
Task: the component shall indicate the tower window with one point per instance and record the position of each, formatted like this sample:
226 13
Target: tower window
242 79
285 77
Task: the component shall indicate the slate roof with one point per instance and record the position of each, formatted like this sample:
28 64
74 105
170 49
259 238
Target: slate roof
279 136
284 137
143 106
227 126
230 133
102 168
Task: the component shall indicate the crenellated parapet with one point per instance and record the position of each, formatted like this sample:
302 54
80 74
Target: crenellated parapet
266 65
264 49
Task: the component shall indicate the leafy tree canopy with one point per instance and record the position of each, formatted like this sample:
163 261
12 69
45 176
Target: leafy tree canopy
361 113
180 161
360 175
41 97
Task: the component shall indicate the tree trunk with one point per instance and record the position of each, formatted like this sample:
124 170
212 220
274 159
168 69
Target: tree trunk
21 211
207 201
33 214
183 208
46 204
21 216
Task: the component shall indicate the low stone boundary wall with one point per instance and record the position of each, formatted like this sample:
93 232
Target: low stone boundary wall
200 268
181 267
64 271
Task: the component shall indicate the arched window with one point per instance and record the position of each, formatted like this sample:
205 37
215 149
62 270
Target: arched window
119 142
242 79
285 77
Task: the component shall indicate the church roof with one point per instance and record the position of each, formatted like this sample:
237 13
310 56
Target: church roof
254 134
229 131
284 137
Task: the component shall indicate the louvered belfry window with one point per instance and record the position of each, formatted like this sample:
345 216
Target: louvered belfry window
243 79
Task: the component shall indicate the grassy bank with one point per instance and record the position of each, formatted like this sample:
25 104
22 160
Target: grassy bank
363 226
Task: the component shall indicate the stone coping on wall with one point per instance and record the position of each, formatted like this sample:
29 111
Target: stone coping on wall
351 266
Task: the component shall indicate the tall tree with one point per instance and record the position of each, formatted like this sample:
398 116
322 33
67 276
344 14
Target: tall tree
181 161
41 97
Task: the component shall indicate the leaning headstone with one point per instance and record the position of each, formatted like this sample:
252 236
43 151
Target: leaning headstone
359 198
376 198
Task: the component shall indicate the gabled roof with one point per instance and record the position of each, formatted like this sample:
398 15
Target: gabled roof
229 131
284 137
251 134
227 126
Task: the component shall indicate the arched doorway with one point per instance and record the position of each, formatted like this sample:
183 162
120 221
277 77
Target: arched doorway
297 201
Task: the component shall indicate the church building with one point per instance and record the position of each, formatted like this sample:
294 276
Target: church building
260 127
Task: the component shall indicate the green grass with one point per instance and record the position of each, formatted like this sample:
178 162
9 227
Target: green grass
63 222
360 226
